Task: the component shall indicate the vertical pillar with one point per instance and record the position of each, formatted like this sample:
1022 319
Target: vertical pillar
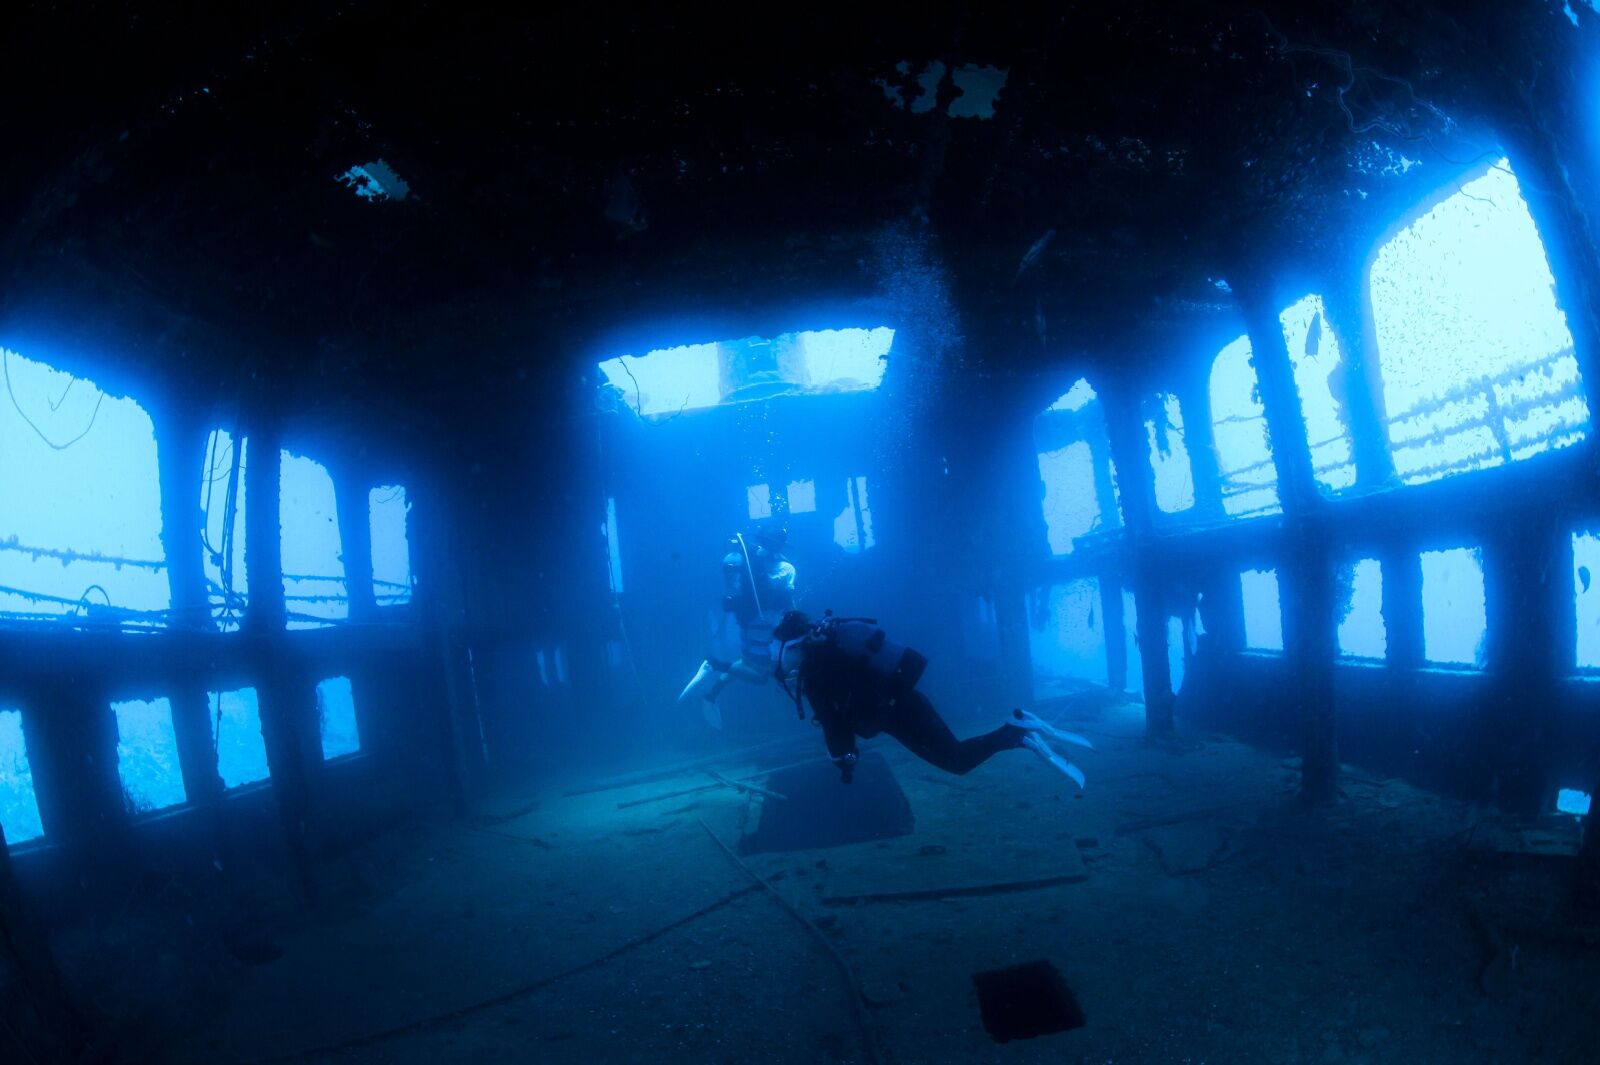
1527 587
72 747
1194 397
1016 657
1349 315
281 699
1308 610
25 953
1115 622
1010 537
1146 575
442 604
1105 494
181 458
1563 225
1402 607
355 538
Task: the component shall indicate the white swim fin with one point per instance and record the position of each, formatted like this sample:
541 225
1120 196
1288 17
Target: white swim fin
1033 723
1038 746
704 677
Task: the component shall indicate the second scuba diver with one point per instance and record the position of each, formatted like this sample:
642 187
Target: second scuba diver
757 588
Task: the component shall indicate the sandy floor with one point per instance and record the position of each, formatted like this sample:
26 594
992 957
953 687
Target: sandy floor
1198 917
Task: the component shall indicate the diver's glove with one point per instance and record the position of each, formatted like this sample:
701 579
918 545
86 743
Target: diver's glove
847 766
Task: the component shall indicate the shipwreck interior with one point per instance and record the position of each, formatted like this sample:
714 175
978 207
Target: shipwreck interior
384 384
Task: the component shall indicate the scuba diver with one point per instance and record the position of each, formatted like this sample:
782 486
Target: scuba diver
757 589
860 683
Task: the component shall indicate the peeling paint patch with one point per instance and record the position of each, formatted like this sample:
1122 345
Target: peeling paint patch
375 181
980 87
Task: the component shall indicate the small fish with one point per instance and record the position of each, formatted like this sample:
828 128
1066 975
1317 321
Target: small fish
1034 252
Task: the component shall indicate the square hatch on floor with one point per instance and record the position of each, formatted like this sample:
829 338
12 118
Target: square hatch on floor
1025 1001
819 810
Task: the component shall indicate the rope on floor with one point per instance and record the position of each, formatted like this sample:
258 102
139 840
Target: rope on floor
868 1033
422 1024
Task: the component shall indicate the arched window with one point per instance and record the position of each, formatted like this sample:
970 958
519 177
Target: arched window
314 587
1080 493
1475 356
1323 384
80 529
1239 427
1169 454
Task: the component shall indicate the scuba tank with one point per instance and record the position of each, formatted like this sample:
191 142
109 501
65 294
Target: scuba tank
899 667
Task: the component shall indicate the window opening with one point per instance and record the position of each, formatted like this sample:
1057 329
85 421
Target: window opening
387 514
802 497
852 529
1169 455
1074 454
758 498
1322 381
313 562
222 491
1263 611
147 755
1067 637
336 713
613 547
1585 570
80 528
1362 633
1245 466
236 734
1454 615
19 805
1474 353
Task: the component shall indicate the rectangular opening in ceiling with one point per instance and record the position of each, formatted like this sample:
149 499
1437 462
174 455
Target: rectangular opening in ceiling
375 182
1454 614
670 381
1477 363
80 529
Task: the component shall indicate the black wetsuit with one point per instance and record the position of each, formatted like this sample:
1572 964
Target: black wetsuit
849 700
